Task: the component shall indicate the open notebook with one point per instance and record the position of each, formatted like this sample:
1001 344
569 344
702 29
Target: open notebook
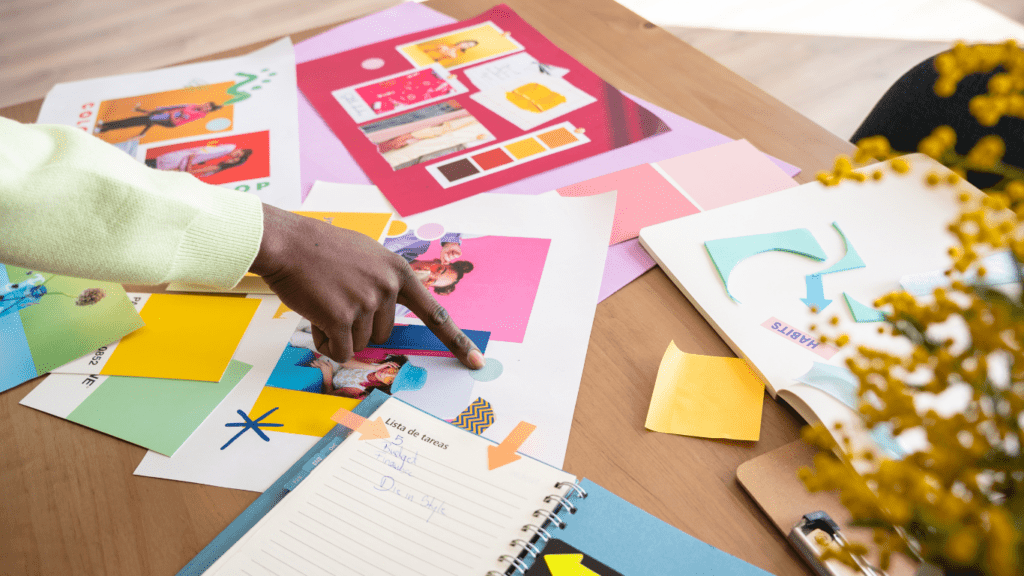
754 270
423 502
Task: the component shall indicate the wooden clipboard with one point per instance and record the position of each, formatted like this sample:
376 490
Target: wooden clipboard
771 481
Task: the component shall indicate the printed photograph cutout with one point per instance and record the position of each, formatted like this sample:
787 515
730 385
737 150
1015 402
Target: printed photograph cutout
193 111
529 102
460 47
499 73
441 386
397 93
425 134
218 161
485 282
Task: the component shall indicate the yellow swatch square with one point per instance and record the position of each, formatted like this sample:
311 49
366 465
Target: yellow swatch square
186 337
557 138
524 148
706 396
370 224
300 412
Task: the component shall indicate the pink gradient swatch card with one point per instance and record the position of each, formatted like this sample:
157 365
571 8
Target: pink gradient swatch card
644 197
724 175
439 115
650 194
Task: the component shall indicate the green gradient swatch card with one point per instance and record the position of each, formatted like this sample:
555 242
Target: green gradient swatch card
154 413
47 320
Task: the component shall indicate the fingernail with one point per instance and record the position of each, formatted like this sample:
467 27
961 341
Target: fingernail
476 359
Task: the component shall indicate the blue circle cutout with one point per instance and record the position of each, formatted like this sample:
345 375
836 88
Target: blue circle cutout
491 371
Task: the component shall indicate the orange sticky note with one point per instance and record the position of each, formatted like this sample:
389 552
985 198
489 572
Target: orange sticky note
186 337
706 396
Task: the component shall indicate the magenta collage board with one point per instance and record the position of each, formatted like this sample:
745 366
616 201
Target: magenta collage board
440 115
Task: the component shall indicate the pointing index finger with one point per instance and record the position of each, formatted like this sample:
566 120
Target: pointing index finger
417 298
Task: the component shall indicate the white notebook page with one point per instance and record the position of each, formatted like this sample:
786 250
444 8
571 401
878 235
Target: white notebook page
419 503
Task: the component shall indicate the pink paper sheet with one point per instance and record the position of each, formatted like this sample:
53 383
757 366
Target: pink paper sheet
324 158
725 174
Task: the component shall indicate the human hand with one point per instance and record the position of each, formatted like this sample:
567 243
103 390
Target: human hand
450 251
347 286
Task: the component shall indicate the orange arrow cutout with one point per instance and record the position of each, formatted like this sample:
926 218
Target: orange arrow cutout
368 429
505 453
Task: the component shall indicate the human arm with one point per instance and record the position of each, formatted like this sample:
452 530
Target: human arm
352 298
72 204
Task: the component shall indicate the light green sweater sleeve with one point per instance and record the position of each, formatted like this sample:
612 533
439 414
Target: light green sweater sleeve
72 204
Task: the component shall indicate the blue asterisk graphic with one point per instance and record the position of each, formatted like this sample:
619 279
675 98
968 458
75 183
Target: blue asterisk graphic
253 425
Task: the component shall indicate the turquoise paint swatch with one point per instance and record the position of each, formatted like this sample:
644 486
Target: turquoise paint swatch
726 253
155 413
863 312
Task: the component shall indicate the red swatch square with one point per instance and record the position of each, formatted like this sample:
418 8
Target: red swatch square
492 159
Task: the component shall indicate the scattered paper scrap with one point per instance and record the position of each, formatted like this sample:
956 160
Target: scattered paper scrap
835 381
706 396
863 312
726 253
186 337
505 453
301 412
850 261
476 418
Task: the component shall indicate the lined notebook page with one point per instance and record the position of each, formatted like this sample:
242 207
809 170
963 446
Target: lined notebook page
420 503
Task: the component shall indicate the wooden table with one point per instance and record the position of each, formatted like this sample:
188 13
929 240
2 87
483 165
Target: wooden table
71 505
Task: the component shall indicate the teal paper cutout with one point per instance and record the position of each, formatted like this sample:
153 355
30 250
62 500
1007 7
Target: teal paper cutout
841 384
882 435
850 261
726 253
491 371
835 381
815 293
863 312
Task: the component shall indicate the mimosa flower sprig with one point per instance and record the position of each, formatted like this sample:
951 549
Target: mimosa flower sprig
959 502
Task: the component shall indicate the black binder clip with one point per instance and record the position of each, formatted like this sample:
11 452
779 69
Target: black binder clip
805 538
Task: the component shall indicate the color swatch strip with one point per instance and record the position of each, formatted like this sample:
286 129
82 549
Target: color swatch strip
498 157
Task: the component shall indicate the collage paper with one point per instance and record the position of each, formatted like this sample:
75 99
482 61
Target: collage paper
153 413
47 320
186 337
399 109
523 380
230 122
766 313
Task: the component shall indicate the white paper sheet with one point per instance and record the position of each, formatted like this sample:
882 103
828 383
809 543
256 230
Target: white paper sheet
541 375
259 100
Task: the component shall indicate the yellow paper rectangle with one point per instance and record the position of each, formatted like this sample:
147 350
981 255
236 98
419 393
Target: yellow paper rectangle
300 412
370 224
186 337
706 396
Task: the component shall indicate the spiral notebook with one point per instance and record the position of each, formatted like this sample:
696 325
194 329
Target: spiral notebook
423 502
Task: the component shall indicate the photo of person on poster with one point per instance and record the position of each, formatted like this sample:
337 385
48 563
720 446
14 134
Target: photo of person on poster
166 116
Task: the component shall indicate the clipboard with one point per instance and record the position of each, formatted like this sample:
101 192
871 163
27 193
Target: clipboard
771 481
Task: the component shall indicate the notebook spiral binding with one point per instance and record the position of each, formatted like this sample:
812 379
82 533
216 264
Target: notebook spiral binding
530 549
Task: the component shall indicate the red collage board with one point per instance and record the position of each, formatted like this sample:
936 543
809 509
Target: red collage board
445 114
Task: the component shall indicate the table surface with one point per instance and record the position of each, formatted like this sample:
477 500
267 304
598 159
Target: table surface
72 506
